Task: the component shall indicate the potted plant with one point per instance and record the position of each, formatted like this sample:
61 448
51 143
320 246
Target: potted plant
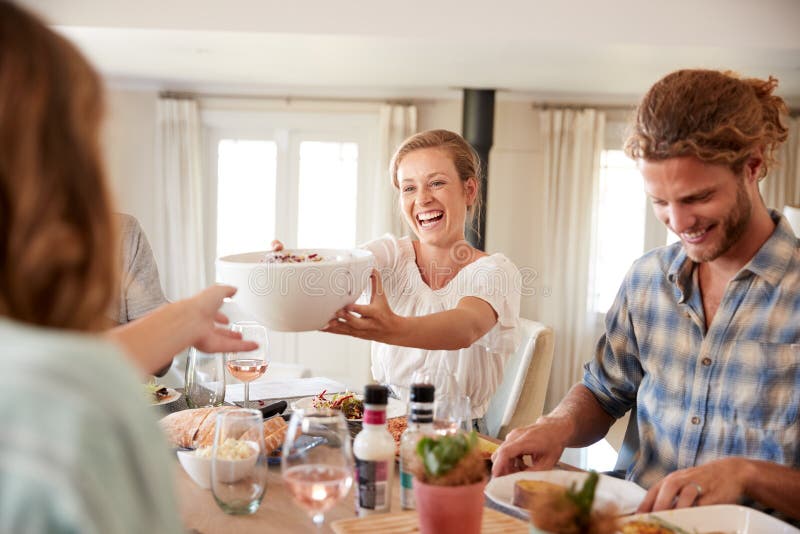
449 477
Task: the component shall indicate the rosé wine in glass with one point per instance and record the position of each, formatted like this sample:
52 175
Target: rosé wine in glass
317 460
318 487
248 366
247 370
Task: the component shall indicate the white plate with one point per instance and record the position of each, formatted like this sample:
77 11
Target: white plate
395 408
624 495
171 397
721 518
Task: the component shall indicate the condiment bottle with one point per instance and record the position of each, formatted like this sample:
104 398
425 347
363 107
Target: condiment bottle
420 423
374 450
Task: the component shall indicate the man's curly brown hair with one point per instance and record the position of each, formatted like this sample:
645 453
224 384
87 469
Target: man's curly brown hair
714 116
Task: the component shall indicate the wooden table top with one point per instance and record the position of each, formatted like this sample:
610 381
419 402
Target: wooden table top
277 513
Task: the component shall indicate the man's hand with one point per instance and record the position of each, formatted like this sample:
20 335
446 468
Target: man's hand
543 441
375 321
719 482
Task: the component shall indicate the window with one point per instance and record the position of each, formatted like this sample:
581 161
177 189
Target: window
621 212
294 176
245 194
327 195
626 227
303 172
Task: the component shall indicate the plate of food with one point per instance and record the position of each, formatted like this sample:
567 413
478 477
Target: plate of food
516 491
351 405
722 518
158 394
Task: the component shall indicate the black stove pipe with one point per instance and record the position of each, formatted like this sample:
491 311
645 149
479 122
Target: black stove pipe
478 130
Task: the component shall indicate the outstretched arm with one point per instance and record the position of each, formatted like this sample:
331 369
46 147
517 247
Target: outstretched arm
727 481
448 330
156 338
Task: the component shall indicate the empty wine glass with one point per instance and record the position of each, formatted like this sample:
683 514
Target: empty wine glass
317 460
452 408
205 379
247 366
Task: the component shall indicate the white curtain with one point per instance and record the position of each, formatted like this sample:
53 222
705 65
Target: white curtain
179 182
571 143
782 186
396 123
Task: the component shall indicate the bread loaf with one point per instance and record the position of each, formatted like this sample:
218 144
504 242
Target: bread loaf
195 428
526 491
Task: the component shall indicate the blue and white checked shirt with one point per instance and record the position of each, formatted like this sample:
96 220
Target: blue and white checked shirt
733 390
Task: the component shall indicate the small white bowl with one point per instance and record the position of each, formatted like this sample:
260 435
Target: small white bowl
197 467
296 297
228 471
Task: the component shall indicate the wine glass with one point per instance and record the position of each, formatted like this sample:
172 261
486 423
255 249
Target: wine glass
452 407
205 379
239 461
247 366
317 460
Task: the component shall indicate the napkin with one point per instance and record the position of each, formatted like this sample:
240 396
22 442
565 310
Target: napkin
286 388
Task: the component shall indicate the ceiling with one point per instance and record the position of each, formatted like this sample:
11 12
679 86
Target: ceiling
564 50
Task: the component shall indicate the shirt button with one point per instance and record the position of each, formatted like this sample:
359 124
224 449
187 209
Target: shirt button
695 420
706 361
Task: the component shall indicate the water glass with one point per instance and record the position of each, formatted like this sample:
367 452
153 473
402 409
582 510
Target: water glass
239 462
317 460
452 409
205 379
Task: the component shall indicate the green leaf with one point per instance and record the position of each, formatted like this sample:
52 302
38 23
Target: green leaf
584 497
441 454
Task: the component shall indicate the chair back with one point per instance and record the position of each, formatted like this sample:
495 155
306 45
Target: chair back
519 399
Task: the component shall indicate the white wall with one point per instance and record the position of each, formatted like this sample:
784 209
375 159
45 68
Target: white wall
129 142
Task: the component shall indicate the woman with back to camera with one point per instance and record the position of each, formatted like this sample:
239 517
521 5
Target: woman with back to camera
79 450
438 305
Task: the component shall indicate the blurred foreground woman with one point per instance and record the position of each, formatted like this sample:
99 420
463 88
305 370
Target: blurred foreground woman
79 450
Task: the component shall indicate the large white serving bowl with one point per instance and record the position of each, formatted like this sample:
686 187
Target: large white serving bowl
296 297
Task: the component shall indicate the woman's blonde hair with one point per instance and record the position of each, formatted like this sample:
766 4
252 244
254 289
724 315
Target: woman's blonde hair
714 116
466 161
57 239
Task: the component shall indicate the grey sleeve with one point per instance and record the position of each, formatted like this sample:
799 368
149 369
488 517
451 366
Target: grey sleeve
141 290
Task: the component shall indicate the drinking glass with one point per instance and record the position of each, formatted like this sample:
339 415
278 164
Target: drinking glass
247 366
317 460
451 408
239 461
205 379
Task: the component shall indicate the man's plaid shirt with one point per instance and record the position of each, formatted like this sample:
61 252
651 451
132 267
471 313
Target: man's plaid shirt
701 395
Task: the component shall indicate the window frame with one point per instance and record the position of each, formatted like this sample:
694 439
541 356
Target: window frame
287 128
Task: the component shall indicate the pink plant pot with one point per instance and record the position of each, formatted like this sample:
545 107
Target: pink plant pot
449 509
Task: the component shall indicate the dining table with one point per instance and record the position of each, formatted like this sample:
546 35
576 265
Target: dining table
277 513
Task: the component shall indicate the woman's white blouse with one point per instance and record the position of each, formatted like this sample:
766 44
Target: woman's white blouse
478 368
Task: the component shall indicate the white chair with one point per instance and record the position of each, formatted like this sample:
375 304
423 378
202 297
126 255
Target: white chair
519 398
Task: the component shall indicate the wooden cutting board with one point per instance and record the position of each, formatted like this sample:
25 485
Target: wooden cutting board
406 523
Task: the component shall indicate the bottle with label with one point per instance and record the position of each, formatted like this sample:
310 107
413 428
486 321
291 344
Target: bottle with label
420 423
374 451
